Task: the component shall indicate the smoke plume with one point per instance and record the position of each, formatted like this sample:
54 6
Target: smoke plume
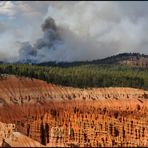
74 31
40 51
59 43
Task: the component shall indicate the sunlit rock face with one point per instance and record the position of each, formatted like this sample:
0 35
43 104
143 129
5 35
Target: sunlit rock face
54 115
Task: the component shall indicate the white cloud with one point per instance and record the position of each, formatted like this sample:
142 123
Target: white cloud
7 8
94 29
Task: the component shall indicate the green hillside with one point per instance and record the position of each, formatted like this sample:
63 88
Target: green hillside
87 75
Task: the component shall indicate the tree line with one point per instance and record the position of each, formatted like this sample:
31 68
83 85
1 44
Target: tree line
82 76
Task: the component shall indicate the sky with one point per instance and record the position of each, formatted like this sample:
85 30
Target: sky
84 30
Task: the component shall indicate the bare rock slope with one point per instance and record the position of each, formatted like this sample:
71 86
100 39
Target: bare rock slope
16 90
98 117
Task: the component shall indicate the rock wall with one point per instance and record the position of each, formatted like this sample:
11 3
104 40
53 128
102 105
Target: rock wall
90 124
6 131
65 116
16 90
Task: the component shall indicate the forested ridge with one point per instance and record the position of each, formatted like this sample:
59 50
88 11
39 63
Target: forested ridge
115 59
83 76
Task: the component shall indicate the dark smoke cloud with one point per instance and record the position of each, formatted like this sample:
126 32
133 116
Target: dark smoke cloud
58 43
27 52
49 24
76 31
38 51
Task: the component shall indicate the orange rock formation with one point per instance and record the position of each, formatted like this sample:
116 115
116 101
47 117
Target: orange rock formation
65 116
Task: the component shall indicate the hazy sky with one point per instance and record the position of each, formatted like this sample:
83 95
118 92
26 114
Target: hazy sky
87 30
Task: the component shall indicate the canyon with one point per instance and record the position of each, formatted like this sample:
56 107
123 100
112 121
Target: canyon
53 115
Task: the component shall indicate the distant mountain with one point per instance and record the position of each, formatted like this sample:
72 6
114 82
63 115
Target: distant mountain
131 59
